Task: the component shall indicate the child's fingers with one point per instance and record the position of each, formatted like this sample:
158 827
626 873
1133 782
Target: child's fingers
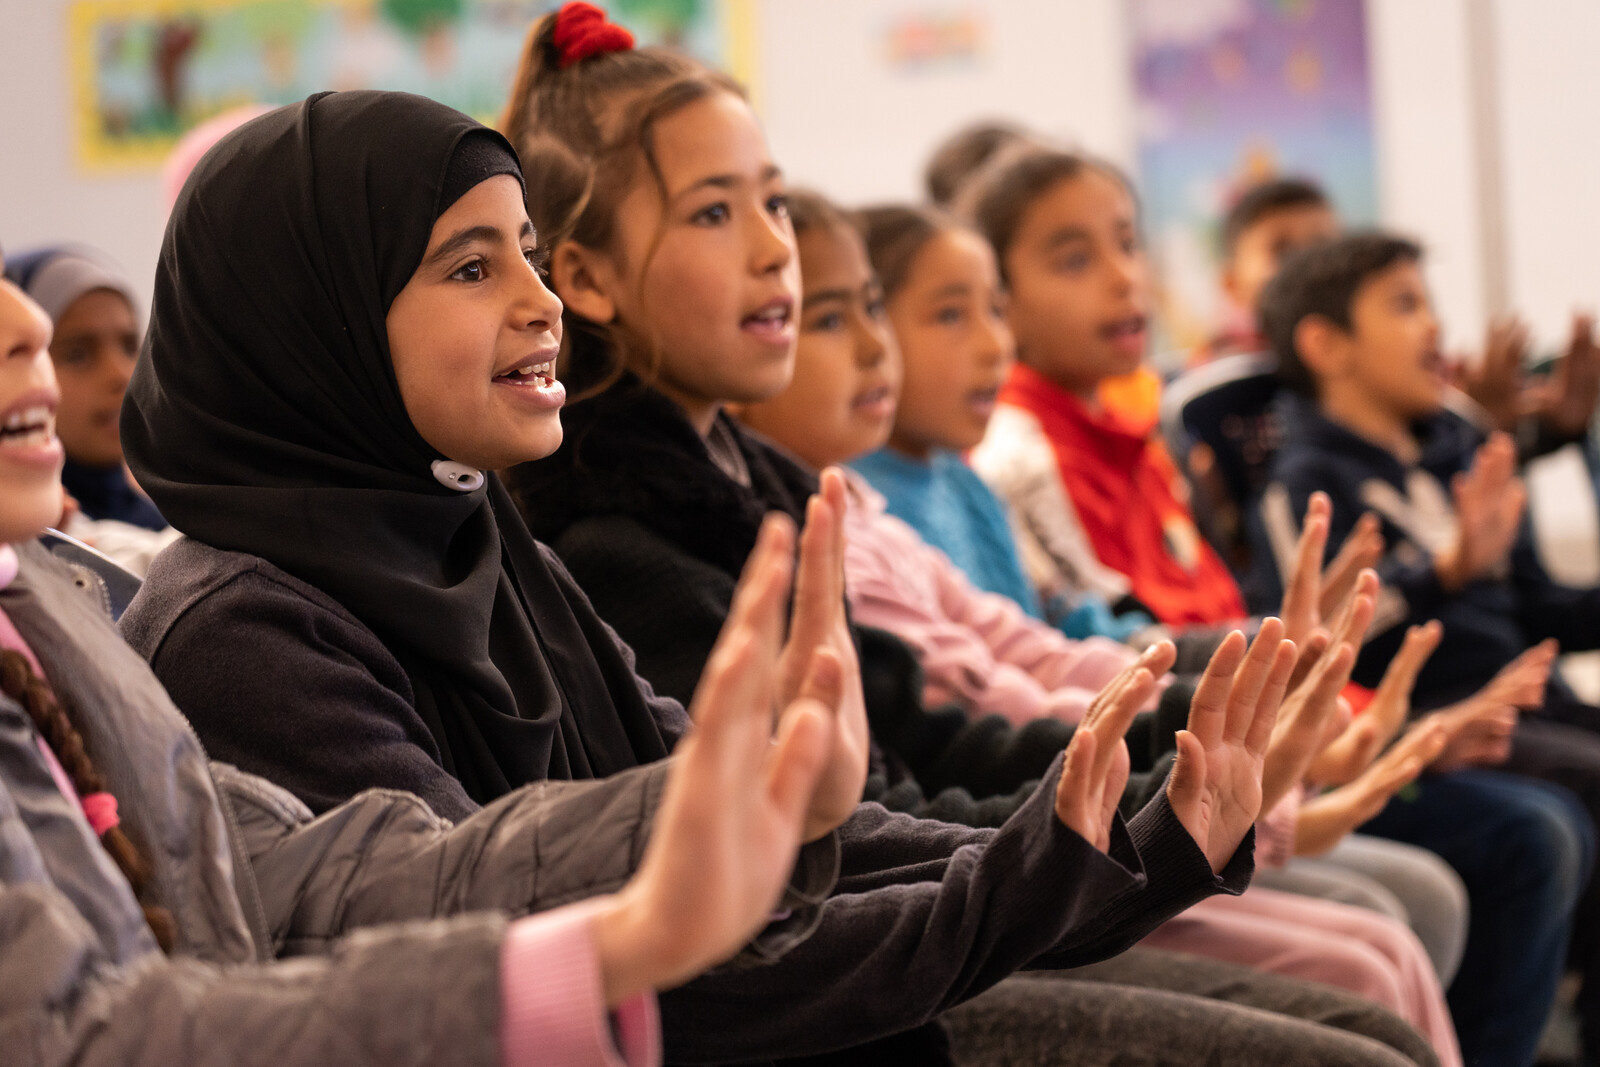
1208 708
824 682
796 762
814 603
833 491
1077 780
1114 722
1311 650
1159 658
1254 722
1252 677
1401 674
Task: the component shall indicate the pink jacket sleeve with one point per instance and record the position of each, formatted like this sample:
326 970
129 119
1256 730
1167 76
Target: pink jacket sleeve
553 1013
976 648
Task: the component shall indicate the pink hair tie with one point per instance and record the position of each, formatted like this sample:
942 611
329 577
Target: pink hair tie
101 811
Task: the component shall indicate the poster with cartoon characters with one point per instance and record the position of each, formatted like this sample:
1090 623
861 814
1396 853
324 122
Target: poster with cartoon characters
1230 92
146 71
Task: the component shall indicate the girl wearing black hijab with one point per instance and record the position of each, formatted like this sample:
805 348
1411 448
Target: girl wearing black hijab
348 333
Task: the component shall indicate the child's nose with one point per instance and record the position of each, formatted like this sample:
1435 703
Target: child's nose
772 244
537 308
24 329
872 343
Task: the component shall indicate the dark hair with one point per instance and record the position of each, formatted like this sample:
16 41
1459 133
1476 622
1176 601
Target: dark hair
964 153
1261 200
55 725
1324 280
582 133
894 234
810 210
1006 194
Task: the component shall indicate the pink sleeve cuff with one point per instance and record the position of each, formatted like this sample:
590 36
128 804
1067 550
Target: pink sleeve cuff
553 1011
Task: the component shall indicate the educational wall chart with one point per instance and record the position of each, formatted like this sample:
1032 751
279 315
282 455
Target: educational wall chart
1229 92
145 71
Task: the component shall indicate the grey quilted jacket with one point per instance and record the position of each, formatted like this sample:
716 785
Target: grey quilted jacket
249 874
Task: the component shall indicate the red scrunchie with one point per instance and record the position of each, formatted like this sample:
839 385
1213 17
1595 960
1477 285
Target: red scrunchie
582 31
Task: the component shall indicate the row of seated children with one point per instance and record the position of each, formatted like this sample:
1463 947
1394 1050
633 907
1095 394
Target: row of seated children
1064 230
340 351
326 390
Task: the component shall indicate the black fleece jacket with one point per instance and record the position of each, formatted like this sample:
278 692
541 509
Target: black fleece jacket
656 534
1487 623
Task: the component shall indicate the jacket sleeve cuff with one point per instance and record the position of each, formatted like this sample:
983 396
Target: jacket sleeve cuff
799 911
1179 873
552 1005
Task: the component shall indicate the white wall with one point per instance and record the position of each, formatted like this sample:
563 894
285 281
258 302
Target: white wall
1550 120
45 198
839 122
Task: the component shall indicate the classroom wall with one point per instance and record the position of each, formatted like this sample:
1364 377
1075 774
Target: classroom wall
840 121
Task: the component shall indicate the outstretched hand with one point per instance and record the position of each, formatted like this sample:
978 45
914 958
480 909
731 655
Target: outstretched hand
1311 592
1495 381
1215 787
1489 499
1314 708
1325 820
819 658
735 804
1348 755
1096 766
1566 401
1480 727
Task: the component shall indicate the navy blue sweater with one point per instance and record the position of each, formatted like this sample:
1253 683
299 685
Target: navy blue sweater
1487 623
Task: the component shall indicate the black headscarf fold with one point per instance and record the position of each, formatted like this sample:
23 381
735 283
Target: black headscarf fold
264 417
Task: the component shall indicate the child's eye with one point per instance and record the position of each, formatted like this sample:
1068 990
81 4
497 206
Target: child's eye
877 309
539 260
778 205
472 271
71 355
712 215
1073 262
950 316
828 322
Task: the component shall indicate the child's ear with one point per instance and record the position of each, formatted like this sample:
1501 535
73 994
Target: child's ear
1320 344
583 279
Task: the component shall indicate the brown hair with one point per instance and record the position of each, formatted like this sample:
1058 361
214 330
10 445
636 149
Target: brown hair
1009 191
965 153
53 722
810 210
894 234
582 133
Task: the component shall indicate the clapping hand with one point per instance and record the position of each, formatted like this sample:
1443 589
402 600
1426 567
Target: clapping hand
738 798
1096 766
1489 500
1215 786
819 658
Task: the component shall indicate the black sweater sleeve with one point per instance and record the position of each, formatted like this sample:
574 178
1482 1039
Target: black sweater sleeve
670 607
940 913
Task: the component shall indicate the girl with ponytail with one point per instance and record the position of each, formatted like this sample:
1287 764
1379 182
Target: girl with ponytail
351 333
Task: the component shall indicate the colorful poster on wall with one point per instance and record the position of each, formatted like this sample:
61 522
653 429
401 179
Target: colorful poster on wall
145 71
1230 92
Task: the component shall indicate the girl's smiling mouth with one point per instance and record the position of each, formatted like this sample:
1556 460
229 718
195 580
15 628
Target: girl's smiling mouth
535 380
28 430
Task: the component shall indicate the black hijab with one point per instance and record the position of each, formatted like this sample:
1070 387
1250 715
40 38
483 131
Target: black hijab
264 417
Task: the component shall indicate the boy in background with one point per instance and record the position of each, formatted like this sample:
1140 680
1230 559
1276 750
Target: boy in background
1357 344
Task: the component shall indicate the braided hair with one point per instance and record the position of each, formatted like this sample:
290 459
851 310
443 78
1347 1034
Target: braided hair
50 717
